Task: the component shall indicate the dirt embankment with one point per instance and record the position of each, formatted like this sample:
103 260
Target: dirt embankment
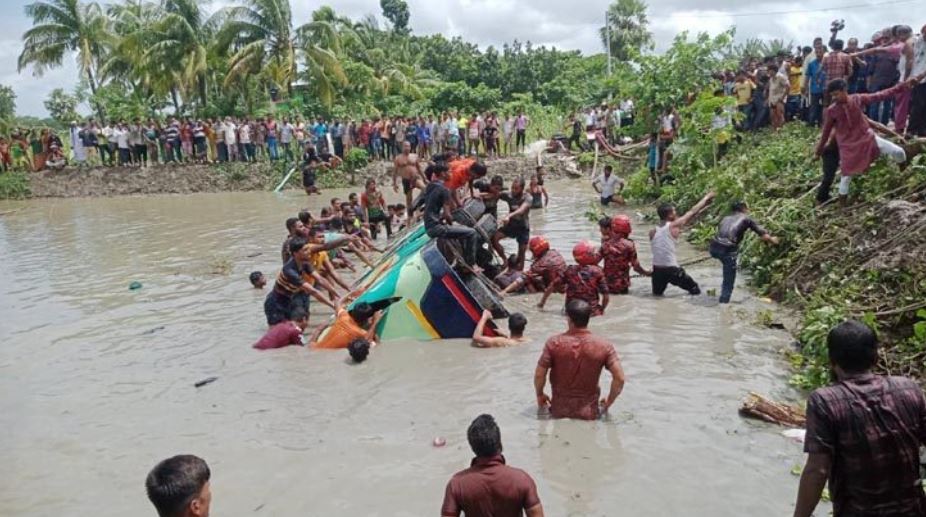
165 179
188 179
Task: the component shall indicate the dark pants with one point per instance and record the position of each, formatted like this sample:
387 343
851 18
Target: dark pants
106 154
917 121
575 138
221 151
520 137
881 111
125 156
467 236
174 153
277 308
663 276
727 257
338 148
830 164
249 152
759 115
374 221
793 107
815 110
461 148
141 154
746 111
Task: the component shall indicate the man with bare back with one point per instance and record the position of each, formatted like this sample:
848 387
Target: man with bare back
407 166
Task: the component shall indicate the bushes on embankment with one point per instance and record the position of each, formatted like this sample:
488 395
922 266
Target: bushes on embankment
867 260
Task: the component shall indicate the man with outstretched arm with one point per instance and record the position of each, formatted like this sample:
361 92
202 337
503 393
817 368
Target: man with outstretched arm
663 238
725 245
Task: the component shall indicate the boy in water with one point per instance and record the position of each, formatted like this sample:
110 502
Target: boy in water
359 349
620 254
516 325
291 289
663 238
258 280
583 281
286 333
356 323
512 279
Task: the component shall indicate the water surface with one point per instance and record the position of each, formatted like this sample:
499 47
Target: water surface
96 381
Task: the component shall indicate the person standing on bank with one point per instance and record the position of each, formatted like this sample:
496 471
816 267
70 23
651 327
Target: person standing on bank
574 360
725 245
864 433
489 488
663 238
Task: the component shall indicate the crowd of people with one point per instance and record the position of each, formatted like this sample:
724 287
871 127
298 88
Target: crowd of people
154 141
864 431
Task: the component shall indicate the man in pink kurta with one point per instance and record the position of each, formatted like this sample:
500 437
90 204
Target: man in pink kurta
858 145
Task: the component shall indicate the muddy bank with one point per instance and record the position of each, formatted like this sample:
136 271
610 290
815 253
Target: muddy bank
164 179
189 179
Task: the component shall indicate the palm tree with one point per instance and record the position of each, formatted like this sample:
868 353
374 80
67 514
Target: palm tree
261 32
627 25
60 27
183 36
320 42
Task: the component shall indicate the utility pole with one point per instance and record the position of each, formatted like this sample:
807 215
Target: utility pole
607 28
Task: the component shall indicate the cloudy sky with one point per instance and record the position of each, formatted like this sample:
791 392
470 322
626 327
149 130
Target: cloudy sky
567 24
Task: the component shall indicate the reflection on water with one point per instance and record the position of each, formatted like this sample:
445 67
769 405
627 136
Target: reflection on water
96 381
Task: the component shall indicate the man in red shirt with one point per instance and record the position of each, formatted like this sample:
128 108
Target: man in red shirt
864 434
574 361
489 488
462 173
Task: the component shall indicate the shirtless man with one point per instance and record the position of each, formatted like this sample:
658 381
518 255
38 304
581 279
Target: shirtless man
516 324
408 167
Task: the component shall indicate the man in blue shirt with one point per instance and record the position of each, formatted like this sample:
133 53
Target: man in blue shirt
816 85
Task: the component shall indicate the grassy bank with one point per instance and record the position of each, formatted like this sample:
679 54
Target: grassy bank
866 261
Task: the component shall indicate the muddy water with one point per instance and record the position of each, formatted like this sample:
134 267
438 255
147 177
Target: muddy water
96 381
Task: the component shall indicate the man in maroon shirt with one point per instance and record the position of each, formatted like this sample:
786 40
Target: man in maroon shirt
489 488
864 434
574 361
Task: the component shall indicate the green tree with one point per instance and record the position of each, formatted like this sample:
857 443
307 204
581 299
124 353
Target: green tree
62 106
396 11
181 45
261 31
7 102
60 27
628 24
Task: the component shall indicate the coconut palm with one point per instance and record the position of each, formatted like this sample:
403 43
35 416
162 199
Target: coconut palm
64 26
261 32
181 45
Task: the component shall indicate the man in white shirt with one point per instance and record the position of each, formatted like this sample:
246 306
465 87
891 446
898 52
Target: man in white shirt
231 140
609 187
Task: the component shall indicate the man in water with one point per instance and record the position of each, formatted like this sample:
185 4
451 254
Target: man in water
438 221
620 254
574 361
609 187
515 225
864 433
407 166
516 325
662 238
725 245
179 487
489 487
858 145
349 325
582 281
291 287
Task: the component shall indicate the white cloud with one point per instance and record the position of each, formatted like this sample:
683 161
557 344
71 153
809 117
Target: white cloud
565 24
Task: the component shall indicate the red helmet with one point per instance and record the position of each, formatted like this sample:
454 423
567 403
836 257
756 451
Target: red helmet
538 245
586 253
621 225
